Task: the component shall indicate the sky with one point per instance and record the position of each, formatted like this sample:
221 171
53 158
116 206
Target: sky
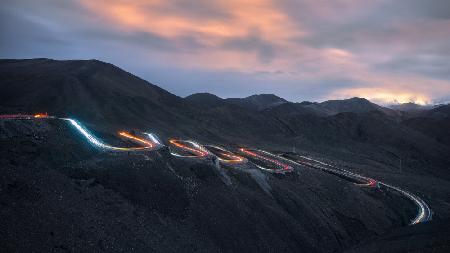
315 50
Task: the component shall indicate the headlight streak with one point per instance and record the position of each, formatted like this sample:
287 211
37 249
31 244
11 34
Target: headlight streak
424 214
95 141
233 158
369 182
284 167
198 150
154 138
223 152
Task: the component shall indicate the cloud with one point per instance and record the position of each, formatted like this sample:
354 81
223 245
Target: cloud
299 49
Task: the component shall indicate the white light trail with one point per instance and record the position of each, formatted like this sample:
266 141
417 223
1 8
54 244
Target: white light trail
154 138
95 141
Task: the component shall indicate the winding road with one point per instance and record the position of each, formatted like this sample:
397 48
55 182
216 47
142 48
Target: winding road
262 159
424 212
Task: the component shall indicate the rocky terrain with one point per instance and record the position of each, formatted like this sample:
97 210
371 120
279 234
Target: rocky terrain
58 193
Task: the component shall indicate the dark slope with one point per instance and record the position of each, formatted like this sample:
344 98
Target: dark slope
430 237
434 123
58 193
295 109
205 100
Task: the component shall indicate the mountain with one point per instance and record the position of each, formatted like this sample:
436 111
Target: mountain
356 105
205 100
258 102
54 183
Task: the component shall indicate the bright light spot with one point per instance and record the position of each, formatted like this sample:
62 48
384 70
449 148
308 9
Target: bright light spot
41 115
196 150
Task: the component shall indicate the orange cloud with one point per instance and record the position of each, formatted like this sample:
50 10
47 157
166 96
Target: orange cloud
156 17
241 20
256 35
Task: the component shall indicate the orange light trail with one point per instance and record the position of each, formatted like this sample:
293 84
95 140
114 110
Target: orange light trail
224 153
41 115
180 145
233 158
127 135
284 166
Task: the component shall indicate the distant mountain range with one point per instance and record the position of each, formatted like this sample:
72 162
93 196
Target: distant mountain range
269 101
260 102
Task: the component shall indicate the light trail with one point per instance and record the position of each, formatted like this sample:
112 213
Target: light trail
154 138
424 212
232 158
284 167
96 142
132 137
198 150
220 153
369 182
41 115
16 116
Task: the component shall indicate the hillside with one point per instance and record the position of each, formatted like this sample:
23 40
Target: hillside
163 202
154 201
434 123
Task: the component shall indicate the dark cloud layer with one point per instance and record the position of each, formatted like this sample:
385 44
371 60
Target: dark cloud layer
298 49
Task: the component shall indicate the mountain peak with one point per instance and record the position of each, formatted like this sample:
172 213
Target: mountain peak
355 104
205 99
266 96
258 101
